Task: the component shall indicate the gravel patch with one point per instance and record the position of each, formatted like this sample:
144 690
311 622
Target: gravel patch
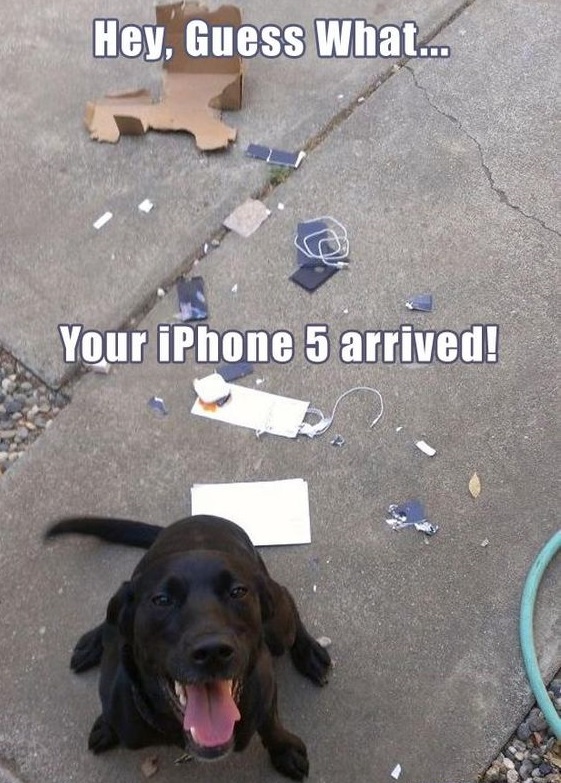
27 408
532 753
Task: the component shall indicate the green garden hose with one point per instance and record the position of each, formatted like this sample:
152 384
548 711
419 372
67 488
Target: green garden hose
529 593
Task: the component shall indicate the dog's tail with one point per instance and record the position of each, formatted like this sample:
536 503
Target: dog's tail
117 531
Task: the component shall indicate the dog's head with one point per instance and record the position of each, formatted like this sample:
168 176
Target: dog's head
194 625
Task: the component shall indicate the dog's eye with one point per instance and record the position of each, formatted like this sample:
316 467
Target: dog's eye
238 592
161 599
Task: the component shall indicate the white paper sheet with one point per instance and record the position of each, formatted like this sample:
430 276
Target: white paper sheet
258 410
270 512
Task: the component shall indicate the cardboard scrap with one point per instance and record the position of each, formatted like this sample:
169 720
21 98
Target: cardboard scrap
192 88
247 218
270 512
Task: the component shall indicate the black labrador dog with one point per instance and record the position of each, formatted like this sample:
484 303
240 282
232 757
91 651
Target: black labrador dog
186 646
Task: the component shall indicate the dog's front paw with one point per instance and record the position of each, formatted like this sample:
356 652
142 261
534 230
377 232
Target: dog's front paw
290 757
310 658
88 651
102 737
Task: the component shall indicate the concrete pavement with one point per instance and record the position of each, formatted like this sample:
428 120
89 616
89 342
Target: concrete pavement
443 178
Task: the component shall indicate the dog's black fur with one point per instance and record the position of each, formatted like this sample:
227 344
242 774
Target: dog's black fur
200 610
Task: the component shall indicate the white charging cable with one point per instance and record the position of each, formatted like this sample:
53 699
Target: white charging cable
325 422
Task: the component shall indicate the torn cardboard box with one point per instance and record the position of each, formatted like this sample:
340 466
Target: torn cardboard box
193 88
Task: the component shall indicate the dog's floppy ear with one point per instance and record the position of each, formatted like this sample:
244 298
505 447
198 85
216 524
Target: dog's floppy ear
266 599
120 610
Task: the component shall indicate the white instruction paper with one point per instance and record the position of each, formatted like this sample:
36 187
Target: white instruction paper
270 512
258 410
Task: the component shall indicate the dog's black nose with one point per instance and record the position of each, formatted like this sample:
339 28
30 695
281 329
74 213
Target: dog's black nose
212 651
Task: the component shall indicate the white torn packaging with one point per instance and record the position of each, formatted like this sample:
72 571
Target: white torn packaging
271 512
260 411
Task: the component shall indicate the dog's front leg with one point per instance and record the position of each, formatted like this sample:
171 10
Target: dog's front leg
287 751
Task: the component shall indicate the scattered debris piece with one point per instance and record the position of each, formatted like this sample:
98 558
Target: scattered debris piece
340 96
474 486
192 301
324 641
275 157
421 302
396 772
322 245
310 278
361 99
346 311
260 411
161 292
398 429
314 588
235 288
101 221
149 766
158 406
410 514
102 366
271 512
190 87
425 448
280 206
206 247
215 242
247 218
485 542
338 440
185 758
259 381
146 206
231 372
212 389
324 240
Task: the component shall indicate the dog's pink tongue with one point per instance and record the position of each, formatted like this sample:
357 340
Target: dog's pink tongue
210 713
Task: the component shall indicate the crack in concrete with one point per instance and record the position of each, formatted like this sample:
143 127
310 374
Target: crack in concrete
503 197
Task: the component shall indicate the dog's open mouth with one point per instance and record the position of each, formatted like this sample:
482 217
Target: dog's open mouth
209 714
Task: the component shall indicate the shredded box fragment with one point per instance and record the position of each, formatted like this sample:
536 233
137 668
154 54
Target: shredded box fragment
231 372
270 512
322 240
247 218
275 157
421 302
158 406
192 300
410 514
101 221
396 772
260 411
311 278
338 440
192 88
